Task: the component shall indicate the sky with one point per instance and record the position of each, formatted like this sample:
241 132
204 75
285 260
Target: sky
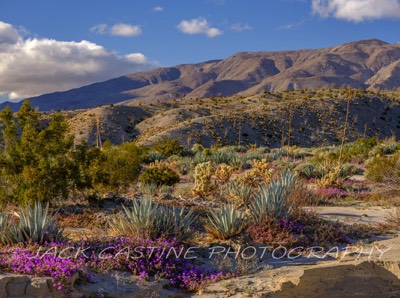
48 45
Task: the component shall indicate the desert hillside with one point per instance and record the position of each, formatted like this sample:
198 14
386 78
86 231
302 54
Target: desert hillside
367 64
303 118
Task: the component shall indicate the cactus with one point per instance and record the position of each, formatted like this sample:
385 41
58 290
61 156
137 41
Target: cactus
224 172
202 177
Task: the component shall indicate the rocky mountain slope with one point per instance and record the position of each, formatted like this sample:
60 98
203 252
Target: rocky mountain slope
367 64
305 118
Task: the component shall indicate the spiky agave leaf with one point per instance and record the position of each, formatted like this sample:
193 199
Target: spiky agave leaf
270 200
37 225
137 220
147 219
169 222
226 222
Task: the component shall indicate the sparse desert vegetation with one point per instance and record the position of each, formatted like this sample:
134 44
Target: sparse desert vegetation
61 195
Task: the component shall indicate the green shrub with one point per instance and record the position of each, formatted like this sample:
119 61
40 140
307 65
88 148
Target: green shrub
117 167
306 170
167 147
358 150
384 168
159 175
154 156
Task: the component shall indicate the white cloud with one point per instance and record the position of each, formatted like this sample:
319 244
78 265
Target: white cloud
34 66
158 9
241 27
124 30
8 34
292 26
357 10
99 29
198 26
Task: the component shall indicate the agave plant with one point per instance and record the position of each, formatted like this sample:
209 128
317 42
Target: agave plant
137 220
169 222
225 223
270 200
236 162
5 236
147 219
200 158
37 225
222 157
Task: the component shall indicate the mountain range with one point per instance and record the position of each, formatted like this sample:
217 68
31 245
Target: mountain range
367 64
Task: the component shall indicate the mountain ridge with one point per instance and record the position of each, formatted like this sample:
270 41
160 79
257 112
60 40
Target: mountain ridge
366 64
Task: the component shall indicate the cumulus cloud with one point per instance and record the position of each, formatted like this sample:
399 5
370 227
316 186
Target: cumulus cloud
34 66
198 26
357 10
158 9
8 34
124 30
241 27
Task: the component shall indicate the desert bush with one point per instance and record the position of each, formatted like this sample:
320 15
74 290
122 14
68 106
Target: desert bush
302 196
356 151
383 149
197 148
202 179
183 190
304 229
184 166
116 167
167 147
306 170
240 149
149 189
154 156
393 218
226 222
270 200
159 175
384 169
36 162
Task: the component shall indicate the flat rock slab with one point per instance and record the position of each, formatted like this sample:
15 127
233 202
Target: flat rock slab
352 215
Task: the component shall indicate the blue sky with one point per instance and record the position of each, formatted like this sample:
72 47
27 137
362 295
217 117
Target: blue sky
61 44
